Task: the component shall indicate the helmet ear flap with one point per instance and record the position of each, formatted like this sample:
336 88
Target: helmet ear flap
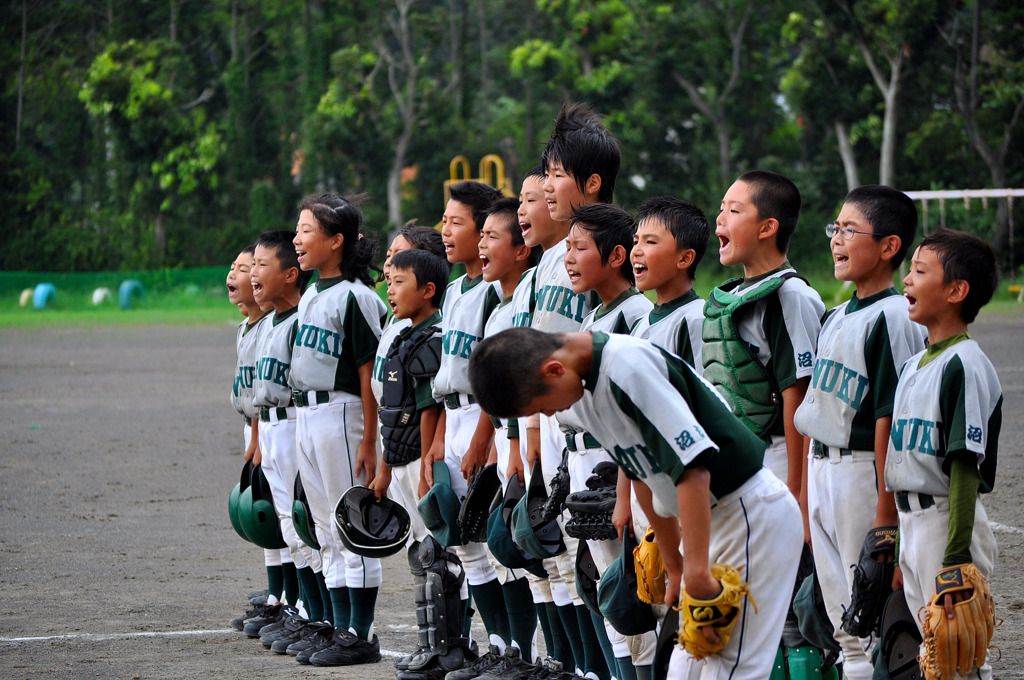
302 516
260 521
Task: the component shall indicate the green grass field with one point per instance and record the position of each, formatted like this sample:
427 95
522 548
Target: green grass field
203 299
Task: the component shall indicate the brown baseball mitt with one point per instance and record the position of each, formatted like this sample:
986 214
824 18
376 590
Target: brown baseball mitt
958 645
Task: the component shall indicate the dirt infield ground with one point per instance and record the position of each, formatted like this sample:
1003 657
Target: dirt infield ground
117 451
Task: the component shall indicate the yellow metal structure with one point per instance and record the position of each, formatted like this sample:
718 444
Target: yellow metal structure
491 171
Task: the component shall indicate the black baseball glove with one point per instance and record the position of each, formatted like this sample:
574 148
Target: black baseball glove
591 510
872 582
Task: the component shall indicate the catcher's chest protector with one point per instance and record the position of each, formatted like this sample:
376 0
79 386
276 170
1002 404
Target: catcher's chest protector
415 357
729 362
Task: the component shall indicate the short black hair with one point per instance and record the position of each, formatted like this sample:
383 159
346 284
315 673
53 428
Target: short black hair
507 210
775 195
424 238
890 212
965 257
685 221
478 196
609 226
584 147
426 267
536 171
504 370
280 241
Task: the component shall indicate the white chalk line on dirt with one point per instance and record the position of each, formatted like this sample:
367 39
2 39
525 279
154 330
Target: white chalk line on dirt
103 637
996 526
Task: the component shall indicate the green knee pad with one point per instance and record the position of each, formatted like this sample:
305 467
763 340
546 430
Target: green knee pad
778 666
804 663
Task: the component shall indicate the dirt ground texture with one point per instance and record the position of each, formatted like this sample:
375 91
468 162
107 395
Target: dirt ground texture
118 448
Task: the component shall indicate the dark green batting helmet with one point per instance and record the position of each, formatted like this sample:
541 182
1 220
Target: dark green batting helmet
258 517
302 516
529 530
234 500
499 536
439 508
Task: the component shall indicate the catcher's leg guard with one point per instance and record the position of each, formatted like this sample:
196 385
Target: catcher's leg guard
804 663
438 607
419 592
778 666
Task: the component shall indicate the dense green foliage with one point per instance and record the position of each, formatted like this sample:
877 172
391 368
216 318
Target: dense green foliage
143 134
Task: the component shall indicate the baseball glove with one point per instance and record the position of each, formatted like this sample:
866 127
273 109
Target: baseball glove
650 570
555 502
872 582
591 510
958 645
720 612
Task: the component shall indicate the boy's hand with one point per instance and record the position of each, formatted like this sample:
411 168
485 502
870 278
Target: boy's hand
897 578
366 461
515 467
622 514
475 459
381 482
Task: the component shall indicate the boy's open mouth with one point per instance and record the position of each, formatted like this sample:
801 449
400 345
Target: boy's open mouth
486 262
639 269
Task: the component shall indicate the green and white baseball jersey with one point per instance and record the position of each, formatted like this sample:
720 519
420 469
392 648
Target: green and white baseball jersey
861 346
467 305
948 399
676 326
274 349
339 330
245 367
557 309
523 299
656 416
618 316
783 328
392 328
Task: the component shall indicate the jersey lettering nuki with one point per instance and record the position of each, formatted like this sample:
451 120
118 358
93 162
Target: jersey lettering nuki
568 304
916 434
243 380
833 377
272 370
322 340
458 343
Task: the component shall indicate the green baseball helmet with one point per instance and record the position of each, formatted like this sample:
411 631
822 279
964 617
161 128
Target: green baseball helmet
258 516
234 500
532 534
302 516
617 598
499 536
587 577
439 508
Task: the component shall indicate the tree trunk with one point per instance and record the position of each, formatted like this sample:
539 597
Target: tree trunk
21 75
847 155
160 237
887 161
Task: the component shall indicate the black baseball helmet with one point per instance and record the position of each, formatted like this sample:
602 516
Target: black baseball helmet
369 527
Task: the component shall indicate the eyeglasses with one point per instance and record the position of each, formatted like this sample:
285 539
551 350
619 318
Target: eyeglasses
847 233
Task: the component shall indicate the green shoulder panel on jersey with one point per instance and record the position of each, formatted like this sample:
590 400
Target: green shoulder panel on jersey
958 428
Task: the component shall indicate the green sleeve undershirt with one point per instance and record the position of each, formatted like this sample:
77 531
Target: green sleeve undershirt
964 480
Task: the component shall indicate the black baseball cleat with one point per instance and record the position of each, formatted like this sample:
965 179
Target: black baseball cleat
478 666
313 631
274 616
290 627
510 666
320 640
347 649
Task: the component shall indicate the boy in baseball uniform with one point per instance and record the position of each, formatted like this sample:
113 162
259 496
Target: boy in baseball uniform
698 473
945 422
847 411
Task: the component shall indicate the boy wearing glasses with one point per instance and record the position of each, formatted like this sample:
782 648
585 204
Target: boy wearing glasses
847 411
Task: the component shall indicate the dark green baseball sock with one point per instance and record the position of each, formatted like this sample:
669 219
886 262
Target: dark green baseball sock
467 614
560 649
275 581
325 598
341 607
522 616
626 671
310 590
593 656
490 602
567 614
545 627
645 672
364 605
291 583
606 644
